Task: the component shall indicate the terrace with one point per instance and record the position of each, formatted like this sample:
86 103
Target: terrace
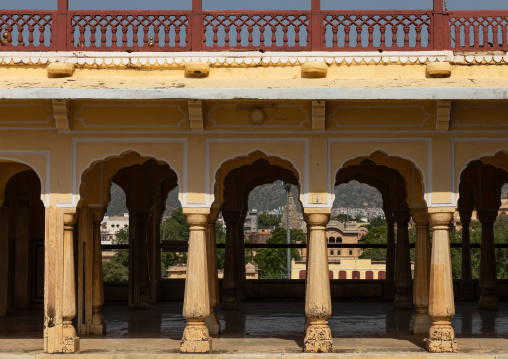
253 30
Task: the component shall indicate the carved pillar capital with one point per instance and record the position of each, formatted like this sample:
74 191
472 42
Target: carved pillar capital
420 216
316 217
440 217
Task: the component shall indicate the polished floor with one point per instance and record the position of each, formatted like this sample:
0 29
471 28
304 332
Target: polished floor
265 327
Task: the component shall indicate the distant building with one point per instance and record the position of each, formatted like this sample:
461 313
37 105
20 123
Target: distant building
180 271
295 220
251 222
111 225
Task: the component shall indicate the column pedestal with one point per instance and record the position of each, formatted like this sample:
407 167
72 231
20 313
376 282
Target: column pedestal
441 301
318 307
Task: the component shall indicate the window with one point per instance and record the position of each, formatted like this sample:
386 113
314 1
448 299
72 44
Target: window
356 274
369 275
350 252
332 252
339 252
381 275
339 239
342 274
331 240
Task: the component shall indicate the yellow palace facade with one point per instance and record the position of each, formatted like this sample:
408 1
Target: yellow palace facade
428 128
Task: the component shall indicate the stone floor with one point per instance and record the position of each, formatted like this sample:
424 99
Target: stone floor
267 330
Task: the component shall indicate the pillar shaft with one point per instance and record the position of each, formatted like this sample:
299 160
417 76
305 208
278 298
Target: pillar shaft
390 257
196 305
230 283
421 321
318 307
138 259
441 300
4 260
22 247
98 326
212 322
466 280
488 273
403 262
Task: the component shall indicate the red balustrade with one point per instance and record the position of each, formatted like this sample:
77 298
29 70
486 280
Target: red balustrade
26 30
477 30
265 30
127 30
380 30
256 30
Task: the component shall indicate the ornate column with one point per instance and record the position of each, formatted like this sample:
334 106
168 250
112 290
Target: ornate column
98 326
318 306
230 281
441 302
488 273
138 259
212 322
70 340
390 255
403 262
421 321
196 304
307 321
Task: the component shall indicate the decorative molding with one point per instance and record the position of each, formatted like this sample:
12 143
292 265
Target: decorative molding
245 59
443 111
318 115
196 115
61 113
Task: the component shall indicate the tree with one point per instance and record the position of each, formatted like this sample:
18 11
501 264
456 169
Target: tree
272 262
266 220
175 228
376 222
117 268
341 218
376 235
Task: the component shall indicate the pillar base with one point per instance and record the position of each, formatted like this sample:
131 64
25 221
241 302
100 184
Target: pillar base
196 339
231 303
441 339
488 302
402 302
318 339
213 324
306 325
70 342
422 323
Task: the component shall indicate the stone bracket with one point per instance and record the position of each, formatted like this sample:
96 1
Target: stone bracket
62 115
443 114
196 115
318 115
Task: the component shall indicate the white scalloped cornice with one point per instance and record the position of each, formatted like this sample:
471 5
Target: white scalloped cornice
243 59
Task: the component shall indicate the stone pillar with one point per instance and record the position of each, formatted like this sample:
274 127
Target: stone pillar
230 281
70 338
212 322
390 255
488 273
466 278
98 326
318 306
403 262
441 302
307 321
4 260
240 258
138 259
421 321
196 305
22 298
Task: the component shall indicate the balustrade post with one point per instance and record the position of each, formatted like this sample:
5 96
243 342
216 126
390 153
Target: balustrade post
59 33
196 25
316 25
438 27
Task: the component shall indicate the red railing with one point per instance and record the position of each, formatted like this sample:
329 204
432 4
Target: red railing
270 30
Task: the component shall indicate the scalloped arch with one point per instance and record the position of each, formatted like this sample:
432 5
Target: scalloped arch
230 164
102 170
409 170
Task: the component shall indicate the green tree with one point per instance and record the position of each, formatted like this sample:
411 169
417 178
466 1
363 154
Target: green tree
272 262
175 228
376 235
341 218
117 268
376 222
266 220
220 238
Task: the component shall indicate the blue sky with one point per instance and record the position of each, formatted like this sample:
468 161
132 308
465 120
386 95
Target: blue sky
254 5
